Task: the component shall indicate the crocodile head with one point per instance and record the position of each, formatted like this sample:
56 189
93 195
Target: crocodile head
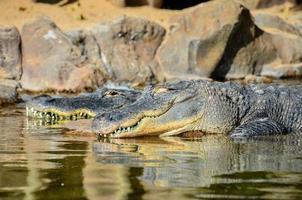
86 106
170 108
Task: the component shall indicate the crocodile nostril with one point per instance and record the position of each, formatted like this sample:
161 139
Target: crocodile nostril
113 117
106 116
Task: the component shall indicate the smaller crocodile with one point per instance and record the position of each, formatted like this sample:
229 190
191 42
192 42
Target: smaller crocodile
85 106
210 107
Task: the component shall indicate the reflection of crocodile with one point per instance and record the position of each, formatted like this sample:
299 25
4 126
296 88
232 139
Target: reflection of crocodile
213 161
86 106
210 107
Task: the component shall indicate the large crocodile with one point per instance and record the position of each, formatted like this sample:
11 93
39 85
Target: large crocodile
86 106
210 107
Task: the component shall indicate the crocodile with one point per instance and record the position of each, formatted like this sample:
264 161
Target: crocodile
241 111
85 106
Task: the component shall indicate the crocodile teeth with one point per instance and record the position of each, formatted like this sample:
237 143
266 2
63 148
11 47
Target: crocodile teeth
128 129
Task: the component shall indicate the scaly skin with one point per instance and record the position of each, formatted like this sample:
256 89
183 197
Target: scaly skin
85 106
210 107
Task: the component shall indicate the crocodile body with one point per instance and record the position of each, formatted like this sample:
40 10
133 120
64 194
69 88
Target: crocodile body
210 107
184 106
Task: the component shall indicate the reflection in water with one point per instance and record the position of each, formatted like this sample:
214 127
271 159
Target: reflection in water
13 170
65 177
45 163
55 165
213 164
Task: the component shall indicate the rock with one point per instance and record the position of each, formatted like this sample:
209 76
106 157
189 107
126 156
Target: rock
284 37
128 46
278 43
8 91
221 40
253 4
246 52
272 22
10 56
87 42
282 70
124 3
295 17
288 47
216 39
52 61
270 3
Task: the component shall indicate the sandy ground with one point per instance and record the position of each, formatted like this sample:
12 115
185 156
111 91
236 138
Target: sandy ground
77 15
89 12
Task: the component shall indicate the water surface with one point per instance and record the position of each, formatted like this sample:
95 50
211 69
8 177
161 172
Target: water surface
52 163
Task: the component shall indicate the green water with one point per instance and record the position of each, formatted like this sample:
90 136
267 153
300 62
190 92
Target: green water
45 163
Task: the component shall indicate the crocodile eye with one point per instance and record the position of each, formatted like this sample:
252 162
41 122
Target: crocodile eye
160 90
111 93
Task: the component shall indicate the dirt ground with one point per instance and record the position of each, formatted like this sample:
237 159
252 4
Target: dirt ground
76 15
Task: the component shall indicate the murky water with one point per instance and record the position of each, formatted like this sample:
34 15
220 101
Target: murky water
45 163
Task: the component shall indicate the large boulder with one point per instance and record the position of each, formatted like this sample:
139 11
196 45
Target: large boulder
296 19
272 22
128 46
221 39
277 70
288 46
10 55
253 4
52 61
286 39
288 55
216 39
8 91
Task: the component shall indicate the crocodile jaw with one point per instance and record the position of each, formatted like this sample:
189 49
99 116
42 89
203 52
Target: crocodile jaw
53 115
